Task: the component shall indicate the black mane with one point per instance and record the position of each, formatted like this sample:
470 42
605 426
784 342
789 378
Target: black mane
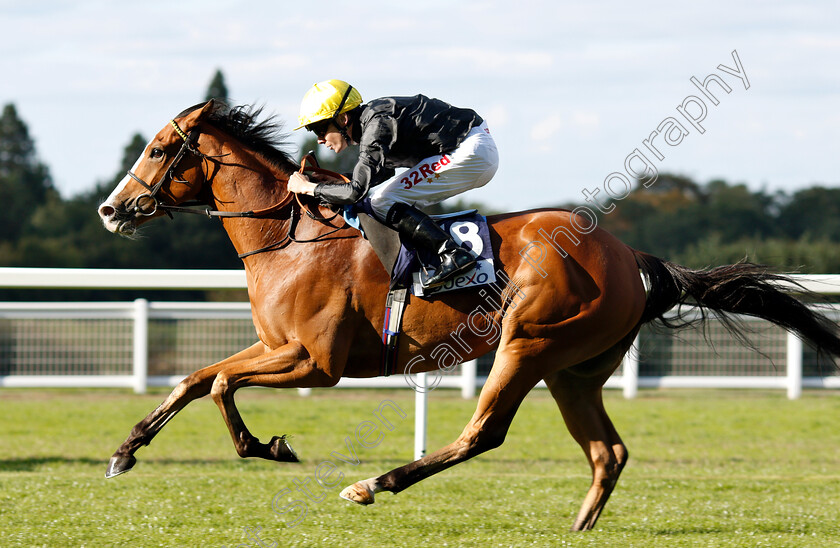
243 123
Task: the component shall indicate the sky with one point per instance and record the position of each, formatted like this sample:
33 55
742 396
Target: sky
569 90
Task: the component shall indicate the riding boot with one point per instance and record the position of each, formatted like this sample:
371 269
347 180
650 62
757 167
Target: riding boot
424 233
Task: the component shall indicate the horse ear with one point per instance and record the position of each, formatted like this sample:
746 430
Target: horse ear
195 116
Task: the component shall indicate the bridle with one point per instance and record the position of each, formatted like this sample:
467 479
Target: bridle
148 204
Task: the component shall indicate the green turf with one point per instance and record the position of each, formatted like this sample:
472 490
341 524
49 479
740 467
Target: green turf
707 468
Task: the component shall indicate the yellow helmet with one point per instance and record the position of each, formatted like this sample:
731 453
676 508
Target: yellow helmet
326 100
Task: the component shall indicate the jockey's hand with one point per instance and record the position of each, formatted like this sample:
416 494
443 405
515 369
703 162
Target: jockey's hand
300 184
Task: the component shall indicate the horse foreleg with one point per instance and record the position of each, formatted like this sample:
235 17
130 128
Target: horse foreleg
191 388
285 367
507 385
579 399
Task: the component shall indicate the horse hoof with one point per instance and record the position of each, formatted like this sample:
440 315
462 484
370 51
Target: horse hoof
120 464
281 451
357 493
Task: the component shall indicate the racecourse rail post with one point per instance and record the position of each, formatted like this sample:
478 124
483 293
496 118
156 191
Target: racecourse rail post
421 400
140 360
468 375
630 371
794 366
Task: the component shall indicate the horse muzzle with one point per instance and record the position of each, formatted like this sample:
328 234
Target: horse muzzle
118 219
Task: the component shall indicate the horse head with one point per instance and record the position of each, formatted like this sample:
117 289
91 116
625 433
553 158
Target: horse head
169 172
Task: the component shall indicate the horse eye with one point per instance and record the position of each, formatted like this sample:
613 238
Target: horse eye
156 153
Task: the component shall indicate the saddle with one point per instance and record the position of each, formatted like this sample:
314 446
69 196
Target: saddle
407 266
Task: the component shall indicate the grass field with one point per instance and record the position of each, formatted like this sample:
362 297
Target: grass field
707 468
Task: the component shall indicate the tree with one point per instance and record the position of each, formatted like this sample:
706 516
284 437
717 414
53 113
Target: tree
676 213
805 255
135 147
735 212
217 88
812 212
25 182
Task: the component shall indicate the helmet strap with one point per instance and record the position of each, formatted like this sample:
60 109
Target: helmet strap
342 128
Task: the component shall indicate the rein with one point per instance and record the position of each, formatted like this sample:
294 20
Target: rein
148 204
294 217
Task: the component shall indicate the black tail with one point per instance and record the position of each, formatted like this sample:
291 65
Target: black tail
742 288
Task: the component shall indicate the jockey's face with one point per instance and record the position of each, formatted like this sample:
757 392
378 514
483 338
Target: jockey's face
332 138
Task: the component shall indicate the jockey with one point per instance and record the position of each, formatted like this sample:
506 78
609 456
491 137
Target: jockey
449 150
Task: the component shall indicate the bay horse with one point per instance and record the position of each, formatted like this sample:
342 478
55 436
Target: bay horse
568 312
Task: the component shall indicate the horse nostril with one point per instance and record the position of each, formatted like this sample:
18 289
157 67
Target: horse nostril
107 211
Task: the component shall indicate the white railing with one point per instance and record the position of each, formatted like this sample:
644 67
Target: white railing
140 313
108 278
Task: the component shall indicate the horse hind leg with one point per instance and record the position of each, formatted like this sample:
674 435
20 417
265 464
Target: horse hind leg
509 382
580 401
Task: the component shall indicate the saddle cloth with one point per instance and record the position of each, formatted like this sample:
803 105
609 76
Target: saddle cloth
468 229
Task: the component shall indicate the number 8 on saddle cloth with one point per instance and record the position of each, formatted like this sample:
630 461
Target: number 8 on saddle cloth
407 265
